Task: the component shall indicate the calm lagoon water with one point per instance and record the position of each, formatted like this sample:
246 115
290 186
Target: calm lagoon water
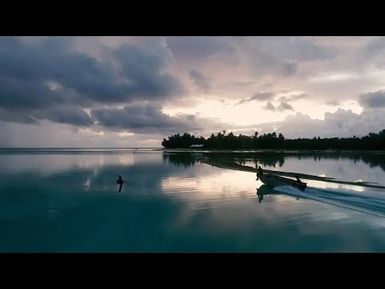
68 201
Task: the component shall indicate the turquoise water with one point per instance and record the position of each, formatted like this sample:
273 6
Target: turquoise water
68 201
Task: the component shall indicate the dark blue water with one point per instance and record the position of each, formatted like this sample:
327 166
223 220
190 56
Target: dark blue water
68 201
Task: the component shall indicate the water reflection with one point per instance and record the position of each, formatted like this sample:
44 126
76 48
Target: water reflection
348 166
176 203
263 191
277 158
268 159
216 185
182 159
47 164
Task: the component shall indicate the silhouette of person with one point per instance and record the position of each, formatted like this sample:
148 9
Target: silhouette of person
302 185
120 182
259 172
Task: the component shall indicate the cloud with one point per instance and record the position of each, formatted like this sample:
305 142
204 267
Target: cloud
342 123
269 106
375 47
261 96
198 48
288 96
130 80
20 117
289 68
374 99
45 73
280 55
67 115
144 71
200 80
47 79
283 105
333 103
146 118
292 96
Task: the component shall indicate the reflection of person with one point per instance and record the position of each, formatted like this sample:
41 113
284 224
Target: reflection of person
265 190
260 196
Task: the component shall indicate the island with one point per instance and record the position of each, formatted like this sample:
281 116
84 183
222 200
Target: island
372 141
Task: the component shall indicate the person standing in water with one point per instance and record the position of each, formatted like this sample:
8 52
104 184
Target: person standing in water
259 172
120 182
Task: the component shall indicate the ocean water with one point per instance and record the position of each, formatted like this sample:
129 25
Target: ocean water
67 200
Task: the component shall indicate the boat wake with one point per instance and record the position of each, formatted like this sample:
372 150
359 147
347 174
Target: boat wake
368 203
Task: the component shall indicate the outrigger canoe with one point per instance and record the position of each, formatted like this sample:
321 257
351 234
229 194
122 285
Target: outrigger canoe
236 166
275 181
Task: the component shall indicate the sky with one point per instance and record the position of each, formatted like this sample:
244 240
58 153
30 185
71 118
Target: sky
135 91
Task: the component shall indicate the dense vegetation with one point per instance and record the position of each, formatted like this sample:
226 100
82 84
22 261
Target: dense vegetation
373 141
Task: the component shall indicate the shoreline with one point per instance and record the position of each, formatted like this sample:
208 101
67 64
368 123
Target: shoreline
271 150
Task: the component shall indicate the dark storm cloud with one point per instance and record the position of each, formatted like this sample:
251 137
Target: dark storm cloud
200 80
36 77
47 60
61 114
374 99
199 47
144 71
16 116
69 115
144 118
140 74
28 93
46 80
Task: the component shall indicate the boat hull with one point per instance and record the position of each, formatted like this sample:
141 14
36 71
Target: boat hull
275 181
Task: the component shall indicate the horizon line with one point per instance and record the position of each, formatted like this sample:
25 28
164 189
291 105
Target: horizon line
137 147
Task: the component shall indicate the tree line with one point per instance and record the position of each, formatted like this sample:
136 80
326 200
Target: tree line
372 141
